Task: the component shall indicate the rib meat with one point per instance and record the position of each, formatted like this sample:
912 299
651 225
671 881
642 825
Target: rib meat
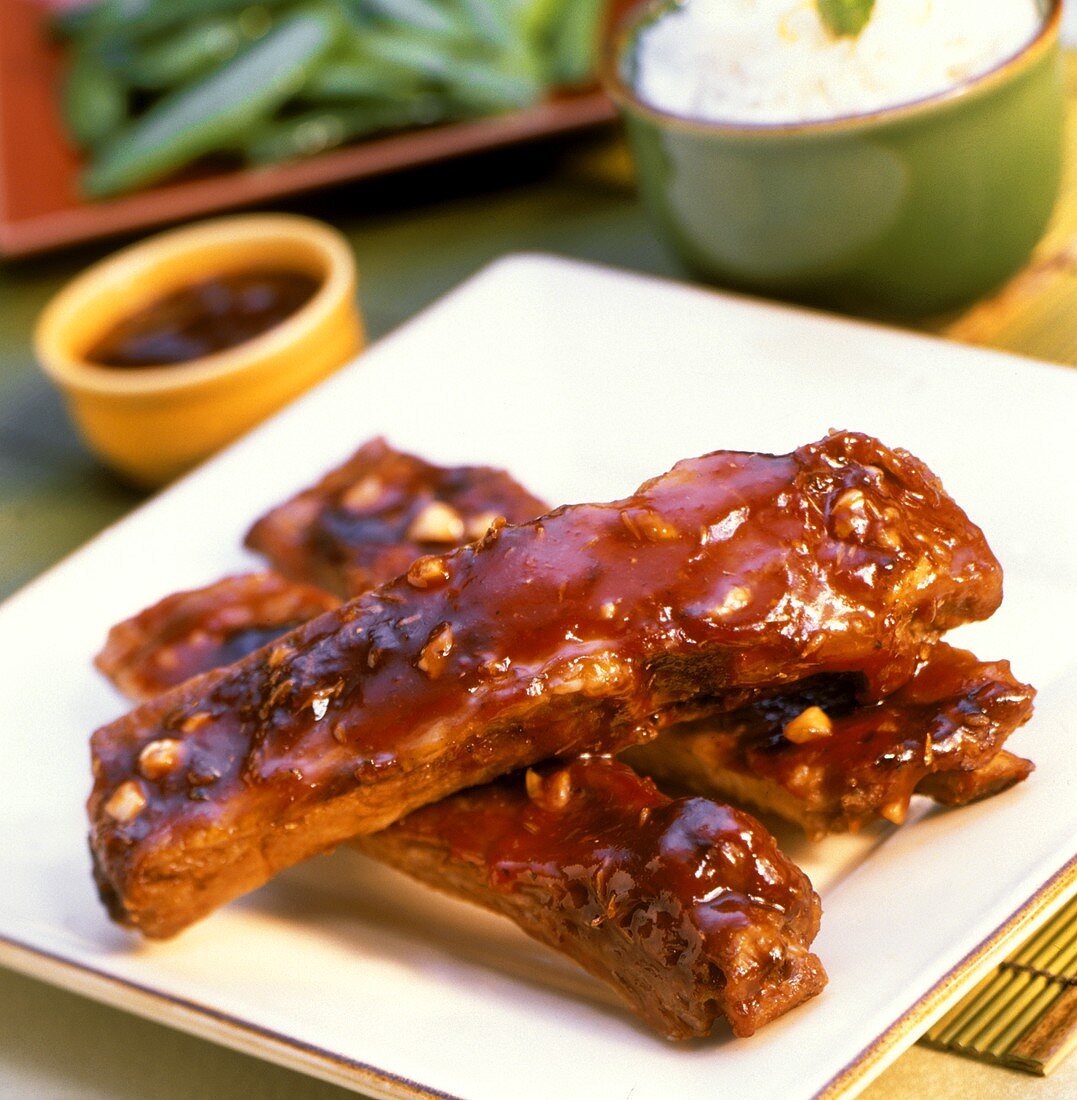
366 521
687 908
959 788
819 757
590 860
573 633
191 632
355 529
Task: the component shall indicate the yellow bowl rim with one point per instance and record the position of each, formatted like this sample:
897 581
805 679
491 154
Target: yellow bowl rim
622 93
126 265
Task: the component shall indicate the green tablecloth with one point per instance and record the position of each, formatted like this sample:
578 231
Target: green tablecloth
415 237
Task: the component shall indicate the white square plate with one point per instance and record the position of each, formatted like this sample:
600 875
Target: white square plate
583 382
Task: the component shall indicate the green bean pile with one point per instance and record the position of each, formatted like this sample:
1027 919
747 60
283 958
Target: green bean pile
154 85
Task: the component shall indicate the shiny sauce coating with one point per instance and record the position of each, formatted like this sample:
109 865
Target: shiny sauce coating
952 715
573 633
368 519
950 719
361 525
206 317
191 632
687 907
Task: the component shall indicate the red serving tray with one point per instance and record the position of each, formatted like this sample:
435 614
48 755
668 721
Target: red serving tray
41 208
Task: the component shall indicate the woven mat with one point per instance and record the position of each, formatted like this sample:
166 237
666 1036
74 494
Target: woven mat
1024 1015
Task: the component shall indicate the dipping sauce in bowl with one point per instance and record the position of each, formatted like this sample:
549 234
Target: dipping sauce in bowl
171 348
204 318
901 171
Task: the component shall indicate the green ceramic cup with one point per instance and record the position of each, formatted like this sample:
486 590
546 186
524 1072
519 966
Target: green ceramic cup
908 211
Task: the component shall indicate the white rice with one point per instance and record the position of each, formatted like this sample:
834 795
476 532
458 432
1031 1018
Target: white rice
760 61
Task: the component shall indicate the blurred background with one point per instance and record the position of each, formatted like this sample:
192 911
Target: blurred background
434 136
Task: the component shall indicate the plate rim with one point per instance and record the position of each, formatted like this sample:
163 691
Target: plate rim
232 1031
211 1024
226 1029
889 1044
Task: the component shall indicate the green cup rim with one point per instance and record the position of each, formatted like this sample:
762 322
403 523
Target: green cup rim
618 44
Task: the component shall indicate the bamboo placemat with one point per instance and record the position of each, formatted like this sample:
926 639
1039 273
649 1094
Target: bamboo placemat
1024 1015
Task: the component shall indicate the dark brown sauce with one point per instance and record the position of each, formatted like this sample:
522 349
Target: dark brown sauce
204 318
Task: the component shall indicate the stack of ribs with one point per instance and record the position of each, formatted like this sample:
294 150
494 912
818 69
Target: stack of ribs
480 692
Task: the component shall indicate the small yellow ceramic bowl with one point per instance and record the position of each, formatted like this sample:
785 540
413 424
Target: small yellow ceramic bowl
153 423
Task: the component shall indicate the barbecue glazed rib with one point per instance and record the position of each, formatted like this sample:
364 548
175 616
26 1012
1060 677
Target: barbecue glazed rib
354 530
582 861
938 735
366 521
829 763
687 908
823 788
573 633
192 632
552 857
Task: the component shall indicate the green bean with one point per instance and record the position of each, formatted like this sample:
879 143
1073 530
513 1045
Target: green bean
93 101
358 17
348 80
474 84
407 51
115 53
316 131
419 15
187 54
490 22
106 14
140 20
575 41
214 113
537 19
72 23
483 88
